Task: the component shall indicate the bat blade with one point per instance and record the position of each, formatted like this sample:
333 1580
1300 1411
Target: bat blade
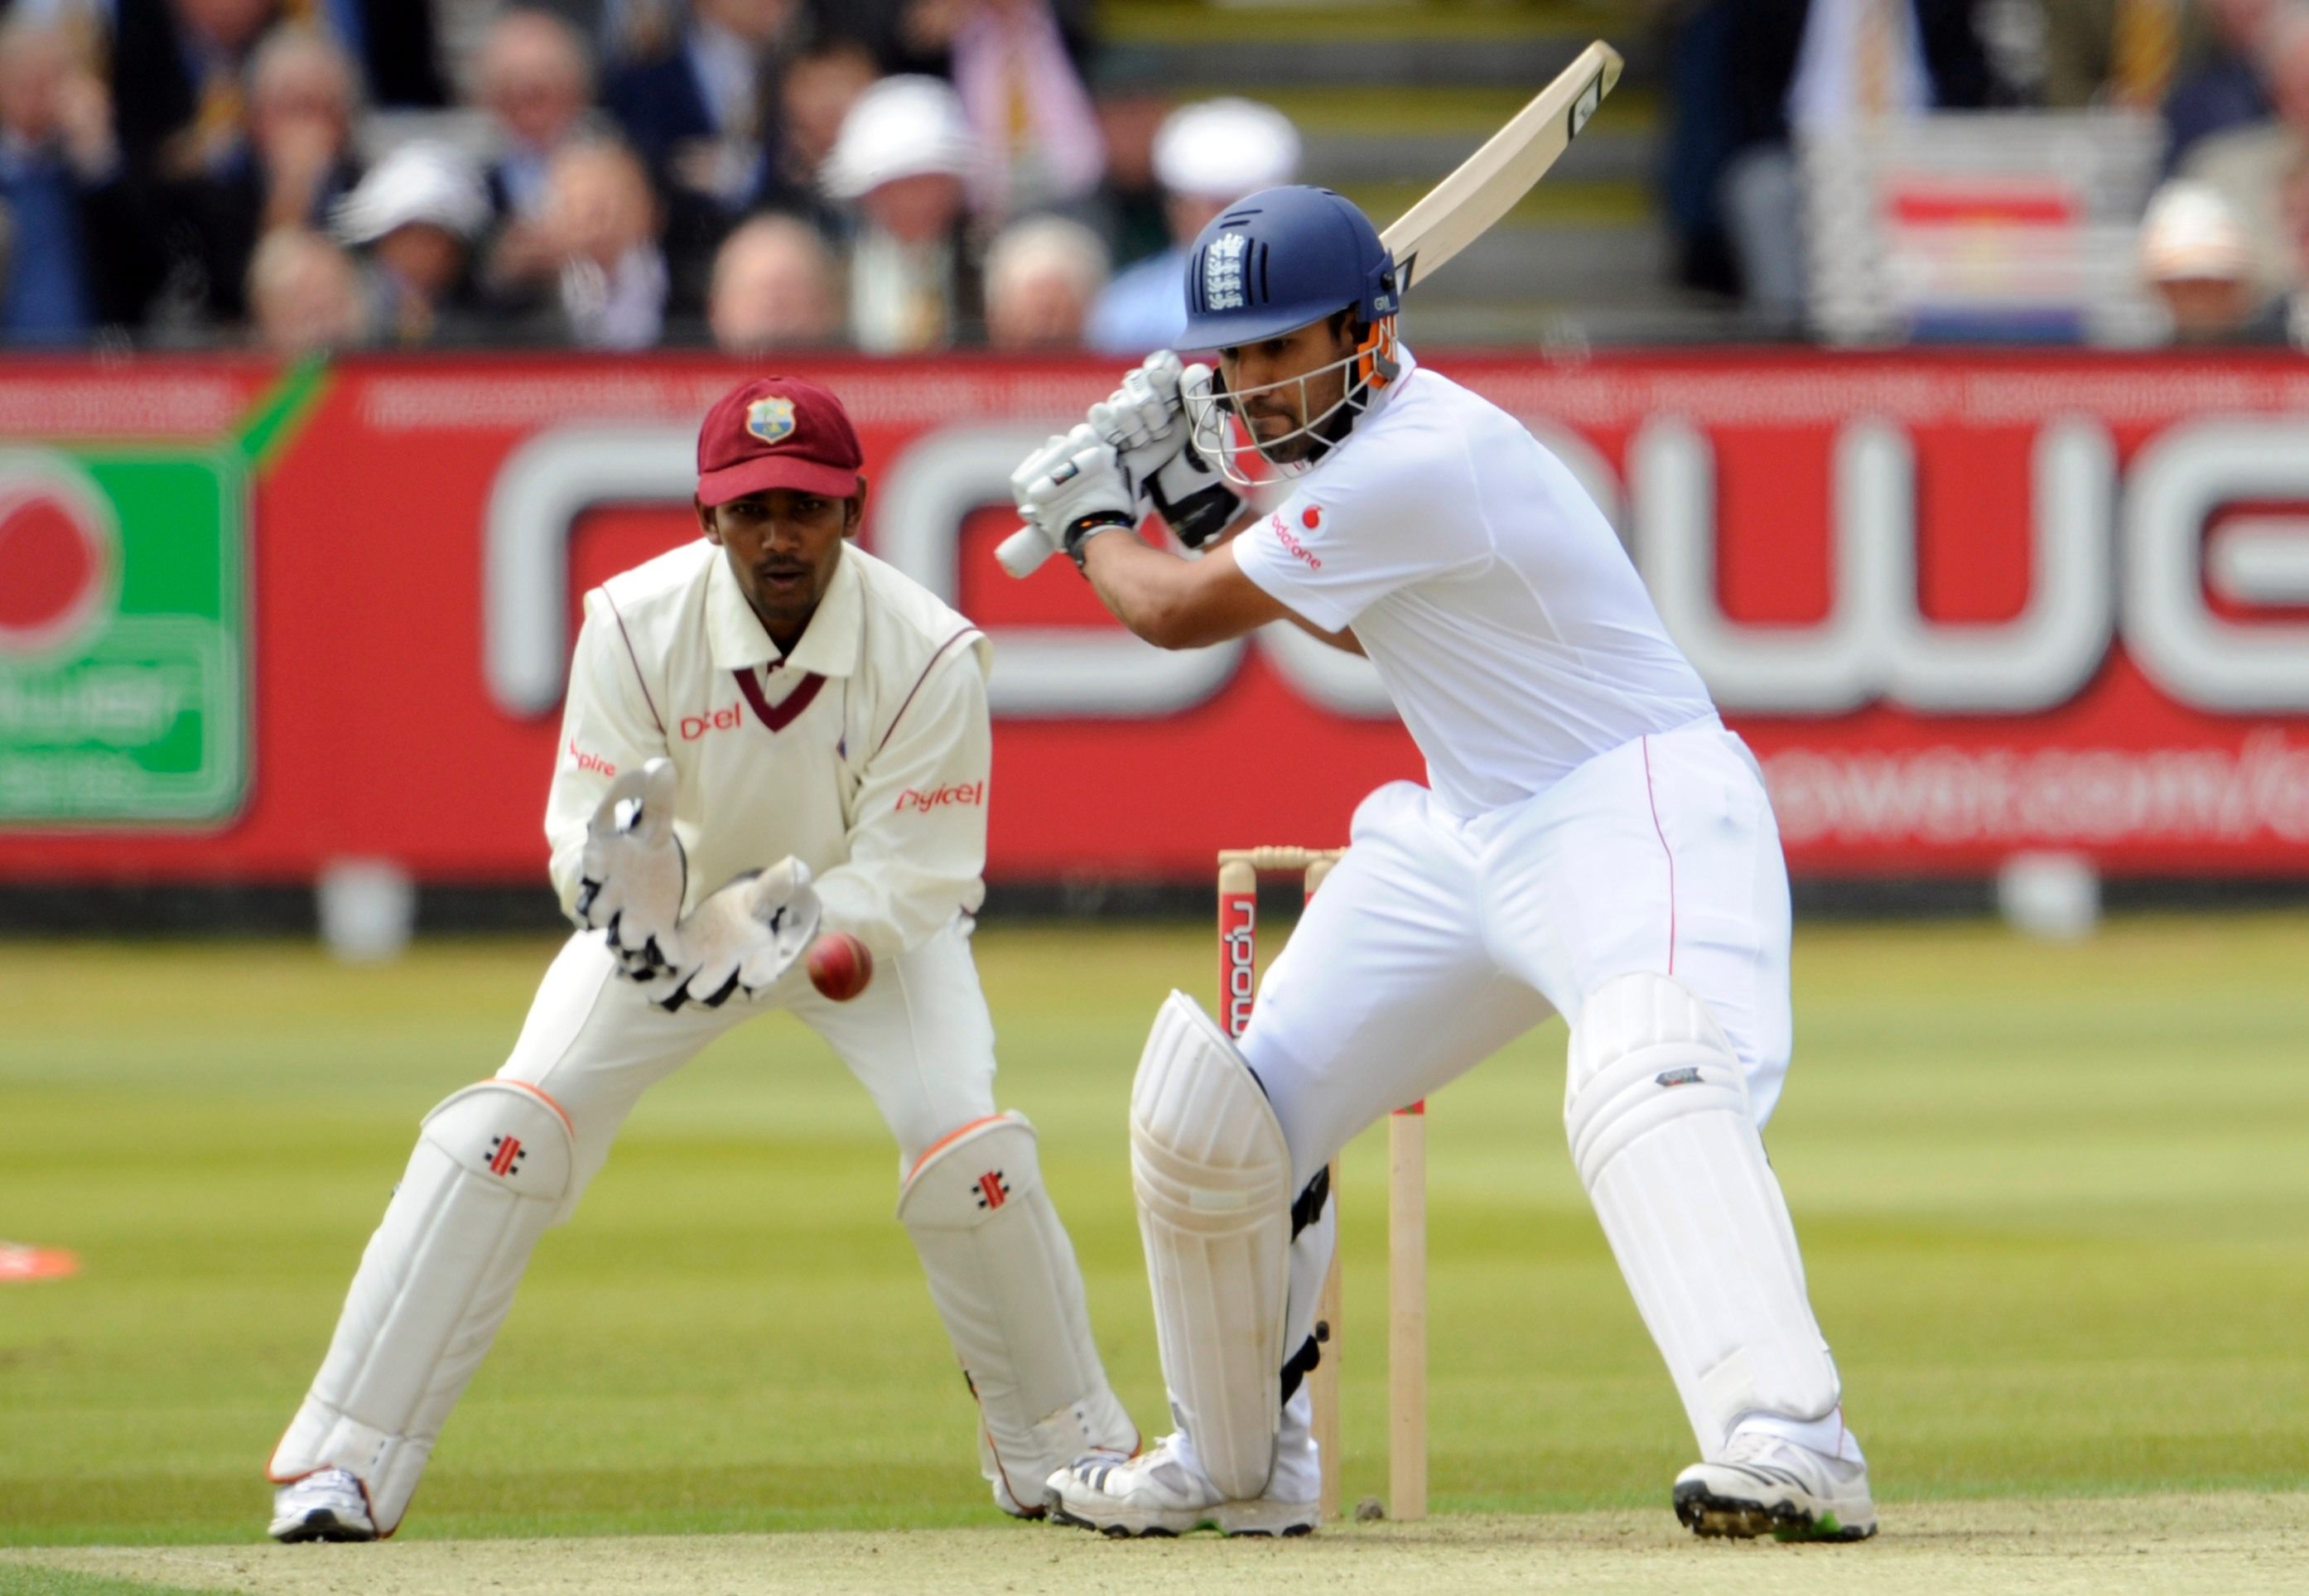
1486 185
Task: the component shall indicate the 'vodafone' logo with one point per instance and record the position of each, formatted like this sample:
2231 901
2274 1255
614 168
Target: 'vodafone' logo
59 554
1289 540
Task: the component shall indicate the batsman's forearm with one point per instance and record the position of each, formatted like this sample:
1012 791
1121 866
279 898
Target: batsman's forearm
1149 590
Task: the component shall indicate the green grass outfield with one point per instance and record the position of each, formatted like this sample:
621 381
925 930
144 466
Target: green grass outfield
2055 1201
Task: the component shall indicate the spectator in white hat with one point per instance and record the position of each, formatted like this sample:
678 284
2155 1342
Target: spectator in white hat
899 165
1042 276
414 218
1208 156
2196 259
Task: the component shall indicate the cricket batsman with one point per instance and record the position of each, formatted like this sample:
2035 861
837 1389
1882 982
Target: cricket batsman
770 792
1590 841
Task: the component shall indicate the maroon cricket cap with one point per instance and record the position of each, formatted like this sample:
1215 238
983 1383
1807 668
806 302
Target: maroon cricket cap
777 432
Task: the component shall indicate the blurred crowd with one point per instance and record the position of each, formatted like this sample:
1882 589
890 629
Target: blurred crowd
907 175
2223 242
887 175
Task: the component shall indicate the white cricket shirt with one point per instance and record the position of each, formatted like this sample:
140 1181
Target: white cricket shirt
1508 624
864 753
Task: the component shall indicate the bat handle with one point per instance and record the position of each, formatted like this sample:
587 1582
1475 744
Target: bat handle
1022 554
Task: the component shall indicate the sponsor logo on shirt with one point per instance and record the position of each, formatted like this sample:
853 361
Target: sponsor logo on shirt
589 761
1290 539
694 726
961 795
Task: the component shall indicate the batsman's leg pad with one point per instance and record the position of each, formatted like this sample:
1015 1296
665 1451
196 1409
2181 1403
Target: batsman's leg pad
1656 1109
1003 1275
491 1165
1213 1177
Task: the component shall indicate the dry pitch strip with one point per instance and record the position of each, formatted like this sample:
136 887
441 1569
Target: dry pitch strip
2233 1542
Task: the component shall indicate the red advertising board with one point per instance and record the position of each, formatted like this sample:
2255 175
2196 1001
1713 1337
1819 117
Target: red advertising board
1961 605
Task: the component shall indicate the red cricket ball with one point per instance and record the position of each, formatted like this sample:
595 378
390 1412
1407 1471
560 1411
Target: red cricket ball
840 966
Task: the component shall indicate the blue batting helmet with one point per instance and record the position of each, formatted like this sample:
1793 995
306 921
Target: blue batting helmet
1279 259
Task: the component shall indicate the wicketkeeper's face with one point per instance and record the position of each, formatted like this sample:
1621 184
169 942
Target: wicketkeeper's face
784 547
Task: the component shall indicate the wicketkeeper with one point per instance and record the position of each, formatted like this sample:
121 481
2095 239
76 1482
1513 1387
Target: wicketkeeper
774 746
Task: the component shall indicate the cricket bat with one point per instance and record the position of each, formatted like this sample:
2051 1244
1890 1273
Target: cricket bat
1458 211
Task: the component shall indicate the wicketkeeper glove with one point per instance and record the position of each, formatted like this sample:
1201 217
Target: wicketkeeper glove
1146 421
632 874
741 939
1073 486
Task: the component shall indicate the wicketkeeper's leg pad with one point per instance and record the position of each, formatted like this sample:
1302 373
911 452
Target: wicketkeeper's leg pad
491 1165
1003 1275
1656 1108
1213 1177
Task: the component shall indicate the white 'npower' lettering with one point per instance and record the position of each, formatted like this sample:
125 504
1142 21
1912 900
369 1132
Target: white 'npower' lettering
1874 643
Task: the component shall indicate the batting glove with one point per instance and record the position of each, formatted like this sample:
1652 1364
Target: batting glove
1146 421
1192 496
741 939
1073 486
1142 419
632 874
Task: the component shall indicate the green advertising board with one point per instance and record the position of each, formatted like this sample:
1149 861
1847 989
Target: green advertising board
124 635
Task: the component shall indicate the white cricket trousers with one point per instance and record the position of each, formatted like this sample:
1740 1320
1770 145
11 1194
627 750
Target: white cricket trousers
1438 940
919 1039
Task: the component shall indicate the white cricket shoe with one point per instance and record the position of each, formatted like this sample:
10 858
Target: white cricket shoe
1765 1484
326 1506
1164 1492
1005 1498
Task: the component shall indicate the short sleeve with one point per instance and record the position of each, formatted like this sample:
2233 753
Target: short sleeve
1364 528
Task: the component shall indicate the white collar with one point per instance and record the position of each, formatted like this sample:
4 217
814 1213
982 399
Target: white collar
1381 399
829 644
